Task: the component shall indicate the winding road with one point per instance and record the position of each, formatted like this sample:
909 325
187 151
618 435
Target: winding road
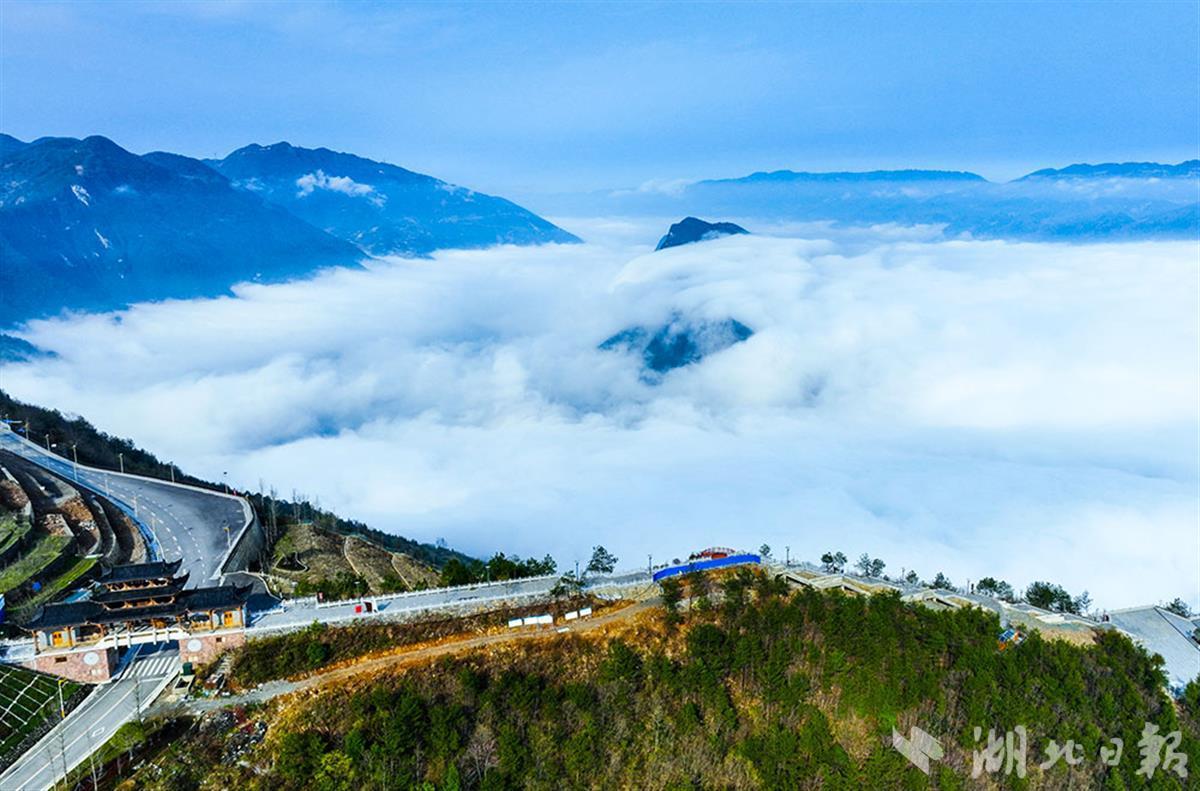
195 525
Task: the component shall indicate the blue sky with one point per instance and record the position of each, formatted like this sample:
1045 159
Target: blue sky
528 99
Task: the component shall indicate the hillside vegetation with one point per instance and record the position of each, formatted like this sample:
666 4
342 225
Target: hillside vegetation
764 689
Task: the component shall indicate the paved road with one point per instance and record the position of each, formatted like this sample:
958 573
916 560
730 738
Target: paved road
94 721
187 523
296 613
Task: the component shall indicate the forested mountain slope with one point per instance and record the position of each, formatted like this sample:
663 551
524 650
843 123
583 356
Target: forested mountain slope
756 688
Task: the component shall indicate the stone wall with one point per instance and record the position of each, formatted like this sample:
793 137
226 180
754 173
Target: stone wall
202 649
247 549
91 666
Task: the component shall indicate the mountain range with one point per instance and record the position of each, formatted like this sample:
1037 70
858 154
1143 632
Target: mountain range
87 226
383 209
1082 202
1121 170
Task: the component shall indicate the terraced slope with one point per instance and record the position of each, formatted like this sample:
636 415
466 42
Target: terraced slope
52 535
306 556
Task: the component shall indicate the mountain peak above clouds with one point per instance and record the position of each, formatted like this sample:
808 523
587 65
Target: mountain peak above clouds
678 342
692 229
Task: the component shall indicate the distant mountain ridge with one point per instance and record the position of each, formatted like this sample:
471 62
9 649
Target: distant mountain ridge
852 176
1130 170
382 208
17 350
1189 169
1109 202
87 226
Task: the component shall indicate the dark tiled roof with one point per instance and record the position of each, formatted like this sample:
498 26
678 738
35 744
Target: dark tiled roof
216 598
140 571
53 616
157 591
70 614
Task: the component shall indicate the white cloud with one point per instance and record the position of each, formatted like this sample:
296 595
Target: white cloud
1022 410
673 188
310 182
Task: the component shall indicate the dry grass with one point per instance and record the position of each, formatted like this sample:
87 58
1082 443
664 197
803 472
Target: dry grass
413 571
324 555
495 646
377 564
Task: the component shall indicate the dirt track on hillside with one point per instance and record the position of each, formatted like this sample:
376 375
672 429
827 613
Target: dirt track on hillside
422 653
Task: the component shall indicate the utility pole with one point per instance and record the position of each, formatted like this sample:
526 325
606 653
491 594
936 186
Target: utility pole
62 736
92 762
121 458
137 693
50 762
154 533
787 556
75 455
650 564
171 467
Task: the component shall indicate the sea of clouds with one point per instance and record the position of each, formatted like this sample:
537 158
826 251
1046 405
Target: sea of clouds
1027 411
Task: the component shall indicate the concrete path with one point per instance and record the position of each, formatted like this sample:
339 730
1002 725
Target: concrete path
294 614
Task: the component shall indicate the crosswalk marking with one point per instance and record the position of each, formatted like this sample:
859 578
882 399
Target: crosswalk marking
154 666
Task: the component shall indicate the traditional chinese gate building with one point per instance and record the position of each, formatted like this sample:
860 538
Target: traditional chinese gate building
133 605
